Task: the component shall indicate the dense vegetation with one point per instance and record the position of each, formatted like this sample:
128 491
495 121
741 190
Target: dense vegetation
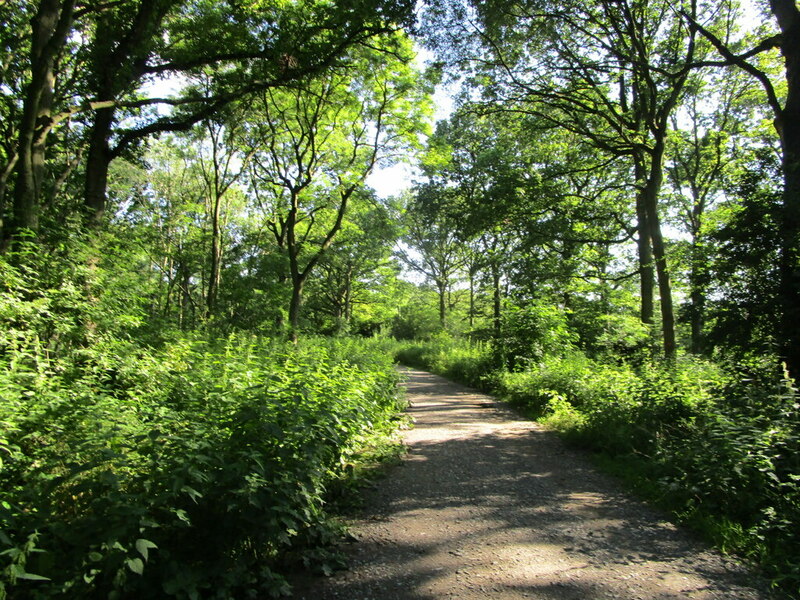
200 468
605 230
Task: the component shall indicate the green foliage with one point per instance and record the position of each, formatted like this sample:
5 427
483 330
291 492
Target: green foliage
619 336
458 359
739 464
745 308
533 331
191 470
416 317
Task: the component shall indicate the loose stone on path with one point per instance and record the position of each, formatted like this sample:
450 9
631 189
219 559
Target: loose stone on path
487 505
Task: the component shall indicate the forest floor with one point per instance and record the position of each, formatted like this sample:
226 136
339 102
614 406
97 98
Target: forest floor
487 505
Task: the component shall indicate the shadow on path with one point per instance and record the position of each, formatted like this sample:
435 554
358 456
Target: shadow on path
490 506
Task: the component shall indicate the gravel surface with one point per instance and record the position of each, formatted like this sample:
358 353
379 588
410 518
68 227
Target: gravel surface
486 505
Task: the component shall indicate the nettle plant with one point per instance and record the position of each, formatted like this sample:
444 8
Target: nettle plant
192 470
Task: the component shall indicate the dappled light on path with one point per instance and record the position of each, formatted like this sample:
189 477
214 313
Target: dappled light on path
487 505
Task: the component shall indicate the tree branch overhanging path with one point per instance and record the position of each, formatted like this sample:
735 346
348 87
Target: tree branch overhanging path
489 505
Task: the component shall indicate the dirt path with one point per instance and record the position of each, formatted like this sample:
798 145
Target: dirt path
489 506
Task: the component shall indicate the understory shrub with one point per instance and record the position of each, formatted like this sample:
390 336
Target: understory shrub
736 473
532 332
188 471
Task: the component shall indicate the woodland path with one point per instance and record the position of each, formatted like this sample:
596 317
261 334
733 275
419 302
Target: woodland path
487 505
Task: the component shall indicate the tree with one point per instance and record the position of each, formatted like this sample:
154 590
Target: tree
357 265
319 140
223 162
612 73
744 306
709 132
528 203
787 125
161 204
122 45
50 27
432 248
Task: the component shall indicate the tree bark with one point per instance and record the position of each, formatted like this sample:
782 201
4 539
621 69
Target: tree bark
644 247
119 58
215 274
98 160
497 301
471 315
697 297
788 126
651 192
295 305
50 28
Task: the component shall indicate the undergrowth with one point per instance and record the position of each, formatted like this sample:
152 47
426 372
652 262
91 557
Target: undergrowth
191 470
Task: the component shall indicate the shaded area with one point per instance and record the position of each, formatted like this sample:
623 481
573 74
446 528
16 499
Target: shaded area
490 506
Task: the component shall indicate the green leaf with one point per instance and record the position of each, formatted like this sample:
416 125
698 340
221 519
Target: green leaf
182 515
143 546
136 565
193 493
19 572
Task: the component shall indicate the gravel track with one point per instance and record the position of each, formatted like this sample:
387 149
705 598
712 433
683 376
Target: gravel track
487 505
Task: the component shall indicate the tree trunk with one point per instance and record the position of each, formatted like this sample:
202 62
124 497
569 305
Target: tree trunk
186 301
50 28
216 256
788 126
496 301
471 299
295 274
98 160
120 52
644 247
295 305
697 296
441 286
348 299
790 235
651 192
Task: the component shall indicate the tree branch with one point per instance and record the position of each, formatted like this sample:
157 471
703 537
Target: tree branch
740 61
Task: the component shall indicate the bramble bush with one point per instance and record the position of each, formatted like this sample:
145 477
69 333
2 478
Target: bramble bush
191 470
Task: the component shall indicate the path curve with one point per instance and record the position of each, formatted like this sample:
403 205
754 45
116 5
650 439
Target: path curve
486 505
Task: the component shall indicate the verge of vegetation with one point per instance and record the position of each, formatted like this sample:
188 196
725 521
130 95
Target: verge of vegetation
717 446
198 467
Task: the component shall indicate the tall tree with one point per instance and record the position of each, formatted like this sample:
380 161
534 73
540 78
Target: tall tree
527 199
358 263
432 248
610 72
706 140
786 112
319 140
223 159
51 25
123 45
